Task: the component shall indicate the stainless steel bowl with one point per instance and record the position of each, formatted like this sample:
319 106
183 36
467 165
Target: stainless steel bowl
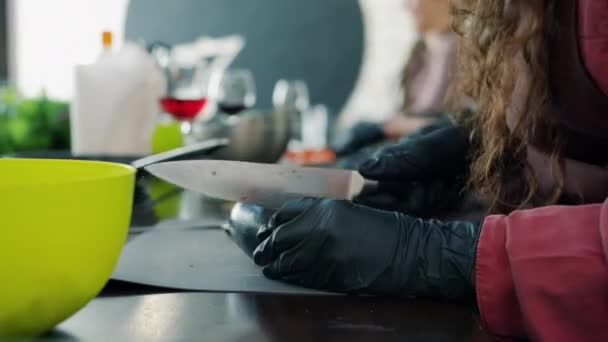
255 136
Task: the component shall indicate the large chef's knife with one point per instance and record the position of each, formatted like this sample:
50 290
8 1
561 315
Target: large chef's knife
267 185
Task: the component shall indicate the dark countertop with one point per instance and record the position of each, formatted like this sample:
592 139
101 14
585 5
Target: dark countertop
128 312
256 317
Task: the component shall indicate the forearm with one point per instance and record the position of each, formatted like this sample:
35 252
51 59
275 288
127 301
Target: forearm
402 126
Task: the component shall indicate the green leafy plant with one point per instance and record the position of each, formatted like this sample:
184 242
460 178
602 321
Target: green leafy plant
38 123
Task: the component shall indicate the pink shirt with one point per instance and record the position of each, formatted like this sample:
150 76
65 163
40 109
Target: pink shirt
429 85
543 274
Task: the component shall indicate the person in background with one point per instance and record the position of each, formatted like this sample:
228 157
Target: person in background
424 80
537 149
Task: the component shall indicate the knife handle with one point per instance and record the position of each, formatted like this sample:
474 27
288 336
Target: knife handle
369 187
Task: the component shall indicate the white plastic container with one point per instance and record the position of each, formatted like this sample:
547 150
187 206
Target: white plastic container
115 103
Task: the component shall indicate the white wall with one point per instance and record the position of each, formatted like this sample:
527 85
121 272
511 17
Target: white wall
390 36
51 36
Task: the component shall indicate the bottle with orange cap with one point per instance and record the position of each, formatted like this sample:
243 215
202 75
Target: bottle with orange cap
107 40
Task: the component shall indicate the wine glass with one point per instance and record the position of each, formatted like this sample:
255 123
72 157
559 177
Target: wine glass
233 90
185 92
291 95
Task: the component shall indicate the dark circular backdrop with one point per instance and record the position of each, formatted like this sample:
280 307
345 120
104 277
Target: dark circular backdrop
320 41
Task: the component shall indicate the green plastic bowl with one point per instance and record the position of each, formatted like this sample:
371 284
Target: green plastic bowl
64 223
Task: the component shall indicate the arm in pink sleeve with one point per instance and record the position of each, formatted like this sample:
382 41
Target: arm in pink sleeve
543 274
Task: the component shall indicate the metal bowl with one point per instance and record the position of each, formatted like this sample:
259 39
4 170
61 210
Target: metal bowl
255 136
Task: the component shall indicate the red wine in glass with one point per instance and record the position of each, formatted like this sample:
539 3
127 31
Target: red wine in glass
231 108
183 109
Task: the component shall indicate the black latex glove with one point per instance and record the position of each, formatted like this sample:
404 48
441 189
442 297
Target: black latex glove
344 247
424 174
353 161
359 136
437 152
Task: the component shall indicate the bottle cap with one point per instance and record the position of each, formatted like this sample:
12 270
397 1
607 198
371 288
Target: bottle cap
106 39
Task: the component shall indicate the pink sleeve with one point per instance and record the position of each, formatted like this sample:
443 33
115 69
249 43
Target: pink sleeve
543 274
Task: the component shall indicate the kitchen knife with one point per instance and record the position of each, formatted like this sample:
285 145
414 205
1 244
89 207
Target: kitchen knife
267 185
189 151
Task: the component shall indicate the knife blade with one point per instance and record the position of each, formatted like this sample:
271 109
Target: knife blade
267 185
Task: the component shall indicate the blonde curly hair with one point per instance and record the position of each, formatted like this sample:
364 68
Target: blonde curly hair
493 35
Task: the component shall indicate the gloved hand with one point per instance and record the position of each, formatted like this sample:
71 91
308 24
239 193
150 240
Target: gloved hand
344 247
437 152
354 160
423 175
359 136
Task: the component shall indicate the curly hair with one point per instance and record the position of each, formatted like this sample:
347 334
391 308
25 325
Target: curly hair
493 36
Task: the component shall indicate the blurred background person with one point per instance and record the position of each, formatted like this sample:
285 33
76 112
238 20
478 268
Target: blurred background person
424 81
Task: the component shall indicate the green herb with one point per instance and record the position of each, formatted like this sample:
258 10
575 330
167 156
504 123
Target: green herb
31 124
